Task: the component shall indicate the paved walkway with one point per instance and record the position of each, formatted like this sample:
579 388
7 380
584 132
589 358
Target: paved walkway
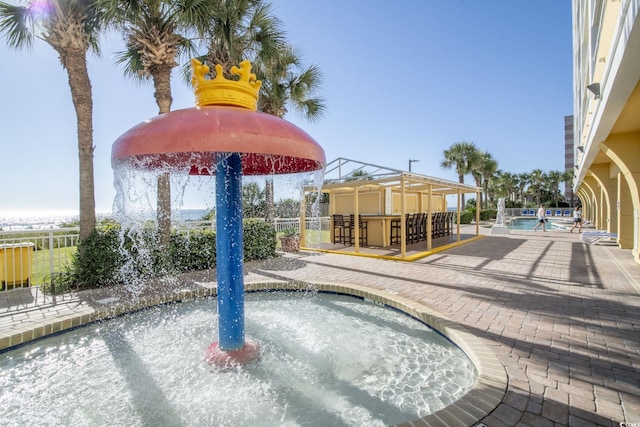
563 317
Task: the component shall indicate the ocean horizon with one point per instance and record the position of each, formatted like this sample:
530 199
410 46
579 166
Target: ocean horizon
11 220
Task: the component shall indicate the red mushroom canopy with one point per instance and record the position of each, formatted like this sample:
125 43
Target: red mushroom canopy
193 140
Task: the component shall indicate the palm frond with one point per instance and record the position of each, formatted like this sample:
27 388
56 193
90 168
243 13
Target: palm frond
16 23
132 62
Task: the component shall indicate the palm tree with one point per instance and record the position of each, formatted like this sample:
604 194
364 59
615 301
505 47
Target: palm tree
537 183
488 167
285 82
507 184
554 179
477 177
523 181
461 156
247 29
253 200
358 175
152 32
239 30
71 28
567 177
482 170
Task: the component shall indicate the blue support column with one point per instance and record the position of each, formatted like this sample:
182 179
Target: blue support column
230 256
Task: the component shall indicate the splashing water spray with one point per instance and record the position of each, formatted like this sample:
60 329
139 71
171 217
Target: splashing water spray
223 135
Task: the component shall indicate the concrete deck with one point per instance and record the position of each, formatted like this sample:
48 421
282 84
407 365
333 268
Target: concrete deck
562 316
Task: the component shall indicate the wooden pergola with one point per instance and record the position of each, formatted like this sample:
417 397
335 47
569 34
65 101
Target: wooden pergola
355 182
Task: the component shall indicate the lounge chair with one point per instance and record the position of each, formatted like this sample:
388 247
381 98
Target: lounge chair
595 237
525 212
532 212
567 212
548 212
558 213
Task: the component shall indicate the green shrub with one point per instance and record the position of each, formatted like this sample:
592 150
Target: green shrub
466 217
193 251
110 255
59 282
259 239
485 214
98 259
143 256
488 214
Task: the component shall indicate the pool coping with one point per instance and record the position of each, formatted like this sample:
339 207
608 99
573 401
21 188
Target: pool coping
481 400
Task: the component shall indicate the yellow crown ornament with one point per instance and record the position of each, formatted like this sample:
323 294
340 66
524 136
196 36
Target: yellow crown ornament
221 91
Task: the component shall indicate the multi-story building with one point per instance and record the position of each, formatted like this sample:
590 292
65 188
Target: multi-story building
606 55
569 160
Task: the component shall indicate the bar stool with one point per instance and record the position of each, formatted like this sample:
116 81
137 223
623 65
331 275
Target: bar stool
450 216
395 231
433 225
362 227
410 228
446 229
340 230
420 227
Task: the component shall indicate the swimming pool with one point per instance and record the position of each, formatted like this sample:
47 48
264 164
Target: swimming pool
530 223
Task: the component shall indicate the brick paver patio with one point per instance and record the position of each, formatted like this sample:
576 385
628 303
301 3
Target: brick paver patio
563 317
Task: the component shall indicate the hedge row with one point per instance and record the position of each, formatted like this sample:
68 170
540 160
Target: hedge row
112 255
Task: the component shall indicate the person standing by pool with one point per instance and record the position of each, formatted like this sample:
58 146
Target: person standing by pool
577 220
541 219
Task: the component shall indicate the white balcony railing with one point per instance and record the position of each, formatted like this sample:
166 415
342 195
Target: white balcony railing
34 257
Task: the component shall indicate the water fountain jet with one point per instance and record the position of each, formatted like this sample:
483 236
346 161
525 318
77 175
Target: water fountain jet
224 135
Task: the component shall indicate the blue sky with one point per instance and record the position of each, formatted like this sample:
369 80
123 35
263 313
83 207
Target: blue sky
402 80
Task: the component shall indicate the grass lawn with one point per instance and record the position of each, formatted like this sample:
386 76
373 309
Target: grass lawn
40 263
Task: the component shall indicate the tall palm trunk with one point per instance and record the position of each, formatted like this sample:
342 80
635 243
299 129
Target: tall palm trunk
75 62
461 180
162 84
478 180
270 207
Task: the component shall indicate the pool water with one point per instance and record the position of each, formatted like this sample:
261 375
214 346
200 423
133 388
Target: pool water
325 360
530 223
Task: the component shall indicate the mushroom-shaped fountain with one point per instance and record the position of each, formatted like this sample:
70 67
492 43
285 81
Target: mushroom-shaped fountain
223 135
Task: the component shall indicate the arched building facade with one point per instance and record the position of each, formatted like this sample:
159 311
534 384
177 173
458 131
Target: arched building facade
606 54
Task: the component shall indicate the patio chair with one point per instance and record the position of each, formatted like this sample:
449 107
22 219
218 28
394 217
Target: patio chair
532 212
548 212
567 212
558 213
596 237
525 212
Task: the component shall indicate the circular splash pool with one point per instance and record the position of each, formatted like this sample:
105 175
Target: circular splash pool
326 360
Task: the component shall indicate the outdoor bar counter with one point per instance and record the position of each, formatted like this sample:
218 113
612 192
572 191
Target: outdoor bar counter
380 228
